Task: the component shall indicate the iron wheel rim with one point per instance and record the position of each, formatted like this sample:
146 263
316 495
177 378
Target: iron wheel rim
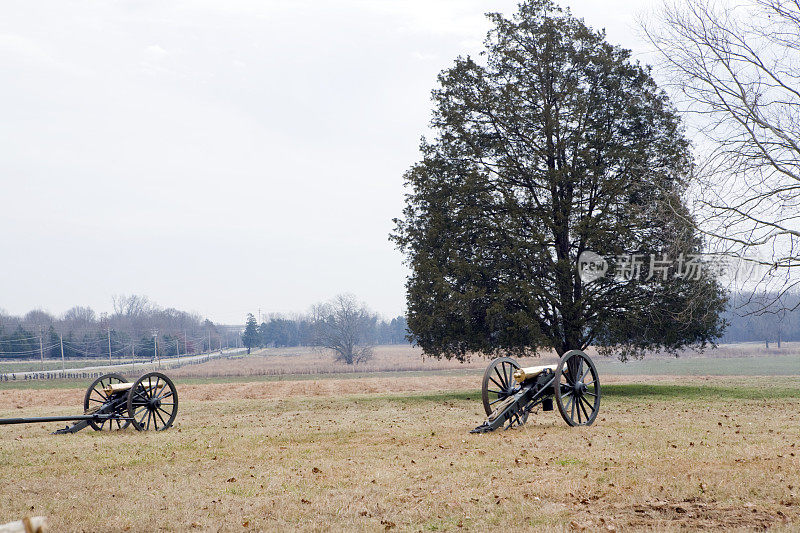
153 402
498 382
577 389
95 396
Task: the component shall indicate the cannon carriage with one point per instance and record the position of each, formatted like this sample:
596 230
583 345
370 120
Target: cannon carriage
510 393
112 402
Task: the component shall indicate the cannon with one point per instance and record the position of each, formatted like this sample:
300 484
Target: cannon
112 402
510 393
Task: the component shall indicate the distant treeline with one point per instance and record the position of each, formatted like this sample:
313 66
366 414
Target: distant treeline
136 328
278 331
767 318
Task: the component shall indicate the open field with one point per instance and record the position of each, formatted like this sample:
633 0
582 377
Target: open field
729 360
395 453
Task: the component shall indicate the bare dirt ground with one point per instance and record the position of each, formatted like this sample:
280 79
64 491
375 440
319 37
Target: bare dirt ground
396 454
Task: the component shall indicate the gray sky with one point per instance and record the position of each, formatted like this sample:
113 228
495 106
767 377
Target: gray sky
221 156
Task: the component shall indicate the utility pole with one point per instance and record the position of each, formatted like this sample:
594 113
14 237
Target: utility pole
109 345
41 346
61 337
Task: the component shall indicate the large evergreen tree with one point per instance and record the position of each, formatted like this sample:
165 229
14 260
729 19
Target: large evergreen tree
554 145
250 337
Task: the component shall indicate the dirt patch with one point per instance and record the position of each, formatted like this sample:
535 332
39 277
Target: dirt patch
688 514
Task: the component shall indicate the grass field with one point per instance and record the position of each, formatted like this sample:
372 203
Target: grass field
395 453
729 360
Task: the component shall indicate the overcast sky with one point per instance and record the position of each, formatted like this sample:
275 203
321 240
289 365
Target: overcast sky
221 156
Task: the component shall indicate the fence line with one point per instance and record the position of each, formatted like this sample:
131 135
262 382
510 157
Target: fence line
93 372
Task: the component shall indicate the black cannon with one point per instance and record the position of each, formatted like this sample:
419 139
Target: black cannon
111 402
510 393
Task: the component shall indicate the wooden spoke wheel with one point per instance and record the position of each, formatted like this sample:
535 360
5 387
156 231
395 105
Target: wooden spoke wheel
498 383
153 402
577 389
96 396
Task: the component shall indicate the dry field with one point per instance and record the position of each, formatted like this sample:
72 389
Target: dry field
304 360
739 359
378 453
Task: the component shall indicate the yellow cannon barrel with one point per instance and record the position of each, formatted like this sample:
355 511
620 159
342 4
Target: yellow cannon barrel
523 374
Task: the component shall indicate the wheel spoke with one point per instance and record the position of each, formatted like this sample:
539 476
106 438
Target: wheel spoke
589 405
165 393
582 408
502 379
572 416
163 424
508 372
568 374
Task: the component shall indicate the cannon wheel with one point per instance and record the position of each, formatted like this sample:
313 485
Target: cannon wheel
95 397
498 382
577 389
153 402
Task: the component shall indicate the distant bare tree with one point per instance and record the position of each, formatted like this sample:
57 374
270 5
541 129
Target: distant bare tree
131 306
80 318
37 320
737 69
345 325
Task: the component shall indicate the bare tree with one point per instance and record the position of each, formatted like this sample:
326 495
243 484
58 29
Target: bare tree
736 69
131 306
344 325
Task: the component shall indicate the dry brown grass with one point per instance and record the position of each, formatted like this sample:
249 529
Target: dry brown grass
305 360
401 358
333 455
